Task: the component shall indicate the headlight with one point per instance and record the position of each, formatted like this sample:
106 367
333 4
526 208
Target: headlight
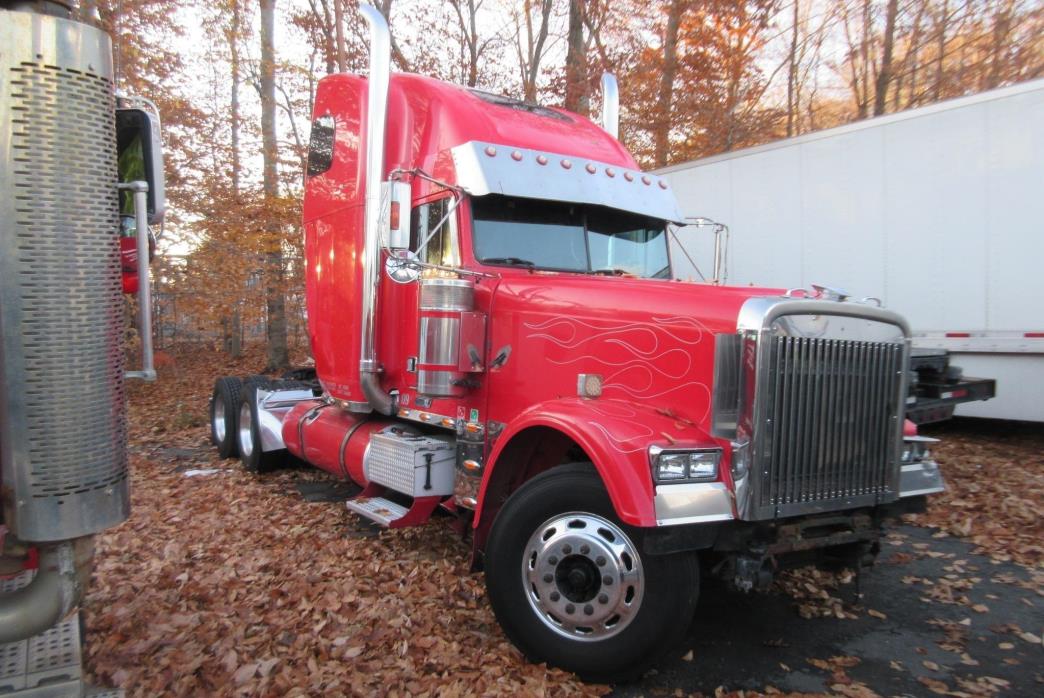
684 466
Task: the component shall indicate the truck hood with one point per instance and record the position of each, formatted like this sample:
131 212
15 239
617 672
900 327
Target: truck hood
609 299
649 341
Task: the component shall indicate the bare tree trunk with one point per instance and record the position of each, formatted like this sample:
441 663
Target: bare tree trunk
469 37
1002 22
535 40
941 49
884 75
576 97
864 52
235 346
385 7
278 355
325 21
792 73
342 64
473 47
913 58
233 45
662 128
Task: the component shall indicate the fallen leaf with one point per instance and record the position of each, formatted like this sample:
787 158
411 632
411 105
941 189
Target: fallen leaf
245 673
934 685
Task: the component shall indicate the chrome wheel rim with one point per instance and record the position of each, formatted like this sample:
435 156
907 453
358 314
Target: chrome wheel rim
218 420
583 576
246 437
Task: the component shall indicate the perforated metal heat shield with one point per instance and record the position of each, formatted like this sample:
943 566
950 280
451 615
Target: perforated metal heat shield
62 429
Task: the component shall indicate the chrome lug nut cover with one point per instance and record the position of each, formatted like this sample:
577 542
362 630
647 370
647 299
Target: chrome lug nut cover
582 562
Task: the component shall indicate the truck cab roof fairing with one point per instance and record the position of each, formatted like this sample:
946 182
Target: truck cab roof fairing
489 168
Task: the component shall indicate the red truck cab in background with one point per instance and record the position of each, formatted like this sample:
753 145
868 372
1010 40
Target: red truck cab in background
496 334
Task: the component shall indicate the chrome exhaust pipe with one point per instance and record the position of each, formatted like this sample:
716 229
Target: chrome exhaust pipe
376 114
610 105
61 577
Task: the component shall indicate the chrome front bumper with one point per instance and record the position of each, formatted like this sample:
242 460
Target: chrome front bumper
693 502
920 478
707 502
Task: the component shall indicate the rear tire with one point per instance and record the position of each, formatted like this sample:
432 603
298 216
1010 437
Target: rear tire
248 435
571 585
224 413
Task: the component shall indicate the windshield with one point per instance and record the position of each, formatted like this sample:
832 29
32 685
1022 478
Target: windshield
568 237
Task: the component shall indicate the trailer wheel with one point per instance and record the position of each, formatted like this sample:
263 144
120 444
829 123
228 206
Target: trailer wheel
224 409
571 585
249 436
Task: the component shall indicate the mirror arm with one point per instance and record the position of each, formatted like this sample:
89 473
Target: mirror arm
141 234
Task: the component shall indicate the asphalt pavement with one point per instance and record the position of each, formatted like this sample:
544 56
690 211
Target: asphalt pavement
933 618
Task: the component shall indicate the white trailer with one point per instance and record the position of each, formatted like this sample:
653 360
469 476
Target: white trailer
937 211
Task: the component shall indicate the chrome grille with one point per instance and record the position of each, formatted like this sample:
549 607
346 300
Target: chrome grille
831 420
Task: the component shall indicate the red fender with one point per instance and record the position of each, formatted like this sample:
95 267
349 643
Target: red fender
616 435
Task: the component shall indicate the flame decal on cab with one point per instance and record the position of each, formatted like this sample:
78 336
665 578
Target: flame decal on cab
620 442
639 360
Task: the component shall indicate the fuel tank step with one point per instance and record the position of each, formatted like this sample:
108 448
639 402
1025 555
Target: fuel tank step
377 509
390 514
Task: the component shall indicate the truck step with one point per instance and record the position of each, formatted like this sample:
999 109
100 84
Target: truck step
378 509
48 664
384 512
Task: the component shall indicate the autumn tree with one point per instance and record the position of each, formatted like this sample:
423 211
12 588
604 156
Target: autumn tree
697 77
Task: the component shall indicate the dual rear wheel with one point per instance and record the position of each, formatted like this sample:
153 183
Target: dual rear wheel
224 413
234 422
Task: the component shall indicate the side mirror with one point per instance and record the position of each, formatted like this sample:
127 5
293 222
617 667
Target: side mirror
396 198
140 154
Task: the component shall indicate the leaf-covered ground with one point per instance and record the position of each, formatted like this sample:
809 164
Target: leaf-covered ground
222 583
995 475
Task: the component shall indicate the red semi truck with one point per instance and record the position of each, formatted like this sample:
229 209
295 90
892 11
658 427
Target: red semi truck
496 336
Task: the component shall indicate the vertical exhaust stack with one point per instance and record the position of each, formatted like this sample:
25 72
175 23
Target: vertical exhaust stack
610 105
376 113
63 434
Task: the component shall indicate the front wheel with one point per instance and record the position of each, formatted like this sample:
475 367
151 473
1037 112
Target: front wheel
571 586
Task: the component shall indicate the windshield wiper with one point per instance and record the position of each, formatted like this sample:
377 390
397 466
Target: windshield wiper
611 272
513 261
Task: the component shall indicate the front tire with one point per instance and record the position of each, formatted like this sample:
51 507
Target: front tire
571 585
